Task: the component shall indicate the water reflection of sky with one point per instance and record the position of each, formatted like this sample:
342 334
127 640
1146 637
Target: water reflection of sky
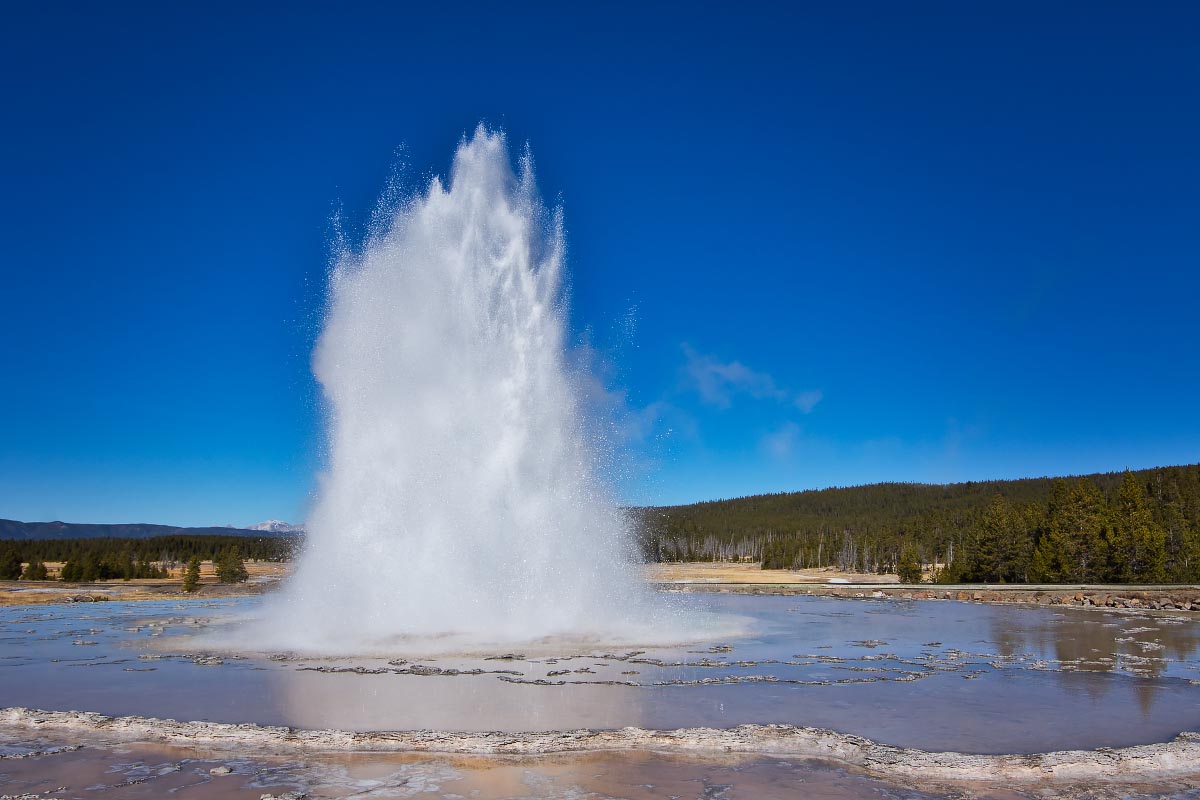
935 675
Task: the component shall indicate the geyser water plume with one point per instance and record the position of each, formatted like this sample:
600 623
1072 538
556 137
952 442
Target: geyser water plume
462 502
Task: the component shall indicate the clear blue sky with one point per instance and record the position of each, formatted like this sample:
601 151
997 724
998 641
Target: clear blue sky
919 242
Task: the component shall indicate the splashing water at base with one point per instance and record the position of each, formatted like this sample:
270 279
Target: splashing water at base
462 503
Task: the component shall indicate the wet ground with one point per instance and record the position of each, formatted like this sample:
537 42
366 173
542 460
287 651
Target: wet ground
140 771
46 769
925 674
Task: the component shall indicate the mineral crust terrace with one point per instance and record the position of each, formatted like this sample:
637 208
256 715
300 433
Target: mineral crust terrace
1174 761
1141 598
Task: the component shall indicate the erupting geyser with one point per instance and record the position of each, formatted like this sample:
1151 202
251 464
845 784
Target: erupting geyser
462 502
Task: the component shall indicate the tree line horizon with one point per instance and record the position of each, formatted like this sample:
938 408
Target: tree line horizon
88 560
1138 526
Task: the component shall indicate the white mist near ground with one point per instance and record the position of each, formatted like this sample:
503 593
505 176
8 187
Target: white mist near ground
462 502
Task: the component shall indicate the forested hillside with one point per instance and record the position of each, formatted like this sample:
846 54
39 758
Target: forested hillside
1132 527
1139 526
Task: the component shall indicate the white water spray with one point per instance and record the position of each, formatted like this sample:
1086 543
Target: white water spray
462 502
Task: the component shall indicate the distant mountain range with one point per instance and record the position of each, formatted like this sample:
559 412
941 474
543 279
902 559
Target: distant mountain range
12 529
276 526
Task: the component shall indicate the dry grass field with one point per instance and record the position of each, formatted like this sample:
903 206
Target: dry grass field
747 572
262 575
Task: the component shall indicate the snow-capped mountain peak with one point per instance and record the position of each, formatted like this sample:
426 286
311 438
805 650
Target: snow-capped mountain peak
276 526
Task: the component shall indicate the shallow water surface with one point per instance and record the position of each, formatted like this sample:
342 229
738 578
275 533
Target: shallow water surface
936 675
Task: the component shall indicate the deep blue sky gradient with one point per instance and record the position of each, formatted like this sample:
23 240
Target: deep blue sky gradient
971 230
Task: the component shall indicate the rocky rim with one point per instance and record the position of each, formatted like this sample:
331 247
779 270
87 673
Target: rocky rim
1170 762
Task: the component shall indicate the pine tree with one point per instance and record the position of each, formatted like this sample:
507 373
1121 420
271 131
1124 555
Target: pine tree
1178 512
908 566
1027 520
191 575
91 569
1003 546
70 571
10 565
1185 555
231 568
965 566
1138 543
1073 547
991 550
35 570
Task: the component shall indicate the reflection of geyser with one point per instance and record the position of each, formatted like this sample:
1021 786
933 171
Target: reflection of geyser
347 701
462 494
